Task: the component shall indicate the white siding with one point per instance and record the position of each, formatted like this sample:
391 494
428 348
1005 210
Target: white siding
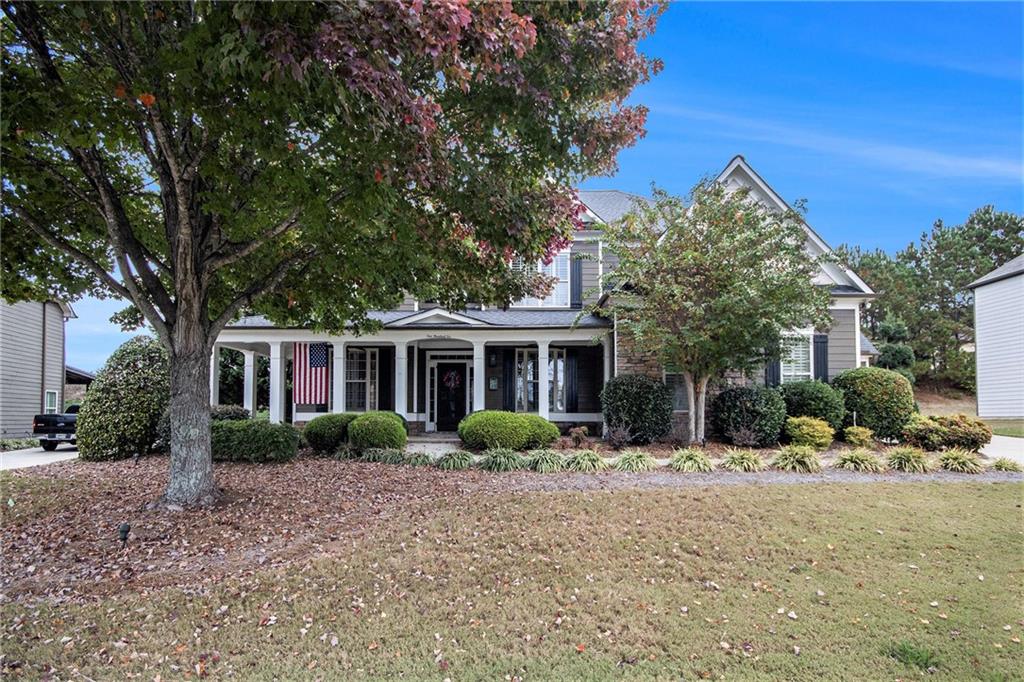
22 368
999 347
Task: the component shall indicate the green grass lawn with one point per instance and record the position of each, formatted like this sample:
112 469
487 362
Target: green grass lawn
1007 427
752 582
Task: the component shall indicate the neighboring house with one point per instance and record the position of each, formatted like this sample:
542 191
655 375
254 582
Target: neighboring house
434 366
999 341
76 383
868 352
31 363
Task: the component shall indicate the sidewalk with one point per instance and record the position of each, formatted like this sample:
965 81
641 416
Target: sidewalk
30 457
1005 446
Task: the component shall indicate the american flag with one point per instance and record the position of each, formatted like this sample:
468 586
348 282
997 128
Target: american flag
311 383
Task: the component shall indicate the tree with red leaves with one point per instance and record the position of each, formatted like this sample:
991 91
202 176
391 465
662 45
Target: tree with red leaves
308 161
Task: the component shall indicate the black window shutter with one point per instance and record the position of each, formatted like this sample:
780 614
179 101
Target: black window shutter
773 373
572 394
385 391
821 357
576 283
508 380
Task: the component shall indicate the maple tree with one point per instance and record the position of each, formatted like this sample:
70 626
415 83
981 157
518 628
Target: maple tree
309 161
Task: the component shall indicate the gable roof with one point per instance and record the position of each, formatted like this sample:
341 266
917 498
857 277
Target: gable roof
866 347
1011 268
437 318
742 173
609 204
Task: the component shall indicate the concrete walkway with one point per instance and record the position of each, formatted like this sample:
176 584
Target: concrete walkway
1005 446
30 457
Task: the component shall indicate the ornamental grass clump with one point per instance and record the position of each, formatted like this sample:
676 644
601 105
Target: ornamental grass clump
1006 464
690 460
456 460
859 459
960 461
502 459
417 459
801 459
545 461
635 461
586 461
383 455
910 460
745 461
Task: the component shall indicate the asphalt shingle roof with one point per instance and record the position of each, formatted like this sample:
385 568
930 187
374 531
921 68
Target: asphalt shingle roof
494 318
610 204
1008 269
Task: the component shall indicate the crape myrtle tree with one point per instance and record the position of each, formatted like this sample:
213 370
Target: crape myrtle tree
711 284
308 161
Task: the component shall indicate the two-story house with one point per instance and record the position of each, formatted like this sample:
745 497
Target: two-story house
434 366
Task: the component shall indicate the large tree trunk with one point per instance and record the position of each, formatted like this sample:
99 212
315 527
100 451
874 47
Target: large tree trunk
691 403
702 394
191 479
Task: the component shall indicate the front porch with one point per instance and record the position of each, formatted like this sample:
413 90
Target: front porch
433 377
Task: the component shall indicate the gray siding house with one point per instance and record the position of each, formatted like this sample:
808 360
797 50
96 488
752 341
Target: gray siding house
999 341
434 366
31 363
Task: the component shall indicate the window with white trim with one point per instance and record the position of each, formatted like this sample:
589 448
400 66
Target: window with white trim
361 377
526 380
677 384
795 363
558 269
50 403
556 379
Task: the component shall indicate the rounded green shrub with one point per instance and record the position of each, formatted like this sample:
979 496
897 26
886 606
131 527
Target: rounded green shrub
690 460
801 459
122 408
963 431
586 461
502 459
809 431
859 436
252 440
748 415
328 431
457 460
540 432
895 356
814 399
377 430
513 430
923 432
635 461
638 403
217 413
880 399
859 459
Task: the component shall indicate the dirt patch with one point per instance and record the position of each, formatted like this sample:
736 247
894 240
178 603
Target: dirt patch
936 403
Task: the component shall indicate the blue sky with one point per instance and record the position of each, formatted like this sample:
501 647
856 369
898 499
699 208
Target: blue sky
884 116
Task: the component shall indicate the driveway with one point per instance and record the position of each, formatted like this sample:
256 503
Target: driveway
30 457
1005 446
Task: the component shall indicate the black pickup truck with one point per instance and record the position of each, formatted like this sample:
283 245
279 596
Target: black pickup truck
54 429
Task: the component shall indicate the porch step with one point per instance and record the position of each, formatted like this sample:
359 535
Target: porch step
441 437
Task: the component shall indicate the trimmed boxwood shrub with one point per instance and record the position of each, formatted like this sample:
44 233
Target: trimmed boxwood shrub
252 440
748 415
814 399
122 408
638 403
512 430
877 398
923 432
326 433
217 413
377 430
859 436
815 433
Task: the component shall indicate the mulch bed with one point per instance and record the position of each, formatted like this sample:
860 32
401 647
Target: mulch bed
272 516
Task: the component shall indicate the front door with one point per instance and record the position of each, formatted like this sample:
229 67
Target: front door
451 395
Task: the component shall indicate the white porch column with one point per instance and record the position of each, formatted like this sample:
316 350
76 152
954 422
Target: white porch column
606 344
249 381
479 378
278 363
543 406
338 377
215 375
401 382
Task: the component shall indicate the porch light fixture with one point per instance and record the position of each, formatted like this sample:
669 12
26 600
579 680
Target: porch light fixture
492 359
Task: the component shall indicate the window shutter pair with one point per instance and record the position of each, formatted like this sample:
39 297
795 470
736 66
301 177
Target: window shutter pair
773 370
